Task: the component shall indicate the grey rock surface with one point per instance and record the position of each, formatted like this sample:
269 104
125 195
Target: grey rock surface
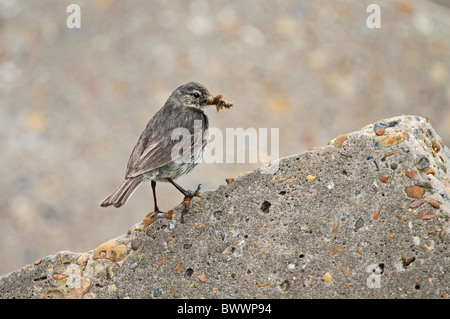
73 102
364 217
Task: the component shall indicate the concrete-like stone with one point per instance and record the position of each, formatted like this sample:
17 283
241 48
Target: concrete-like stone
74 101
323 225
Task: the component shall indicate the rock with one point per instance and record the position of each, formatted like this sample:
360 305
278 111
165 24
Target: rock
390 140
111 250
83 260
411 174
157 293
384 179
415 203
383 125
415 191
434 203
424 216
363 237
135 243
422 162
80 288
359 223
202 277
65 259
229 180
339 141
59 276
380 131
328 278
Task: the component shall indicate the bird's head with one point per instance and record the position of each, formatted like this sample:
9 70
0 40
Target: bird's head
196 95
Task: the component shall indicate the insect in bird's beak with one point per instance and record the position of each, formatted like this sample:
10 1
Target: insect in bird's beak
218 102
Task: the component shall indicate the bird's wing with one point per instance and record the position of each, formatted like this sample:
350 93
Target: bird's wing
159 144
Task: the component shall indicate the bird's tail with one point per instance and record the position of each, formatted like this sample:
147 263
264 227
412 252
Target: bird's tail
120 196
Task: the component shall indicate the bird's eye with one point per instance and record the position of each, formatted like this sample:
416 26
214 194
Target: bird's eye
196 95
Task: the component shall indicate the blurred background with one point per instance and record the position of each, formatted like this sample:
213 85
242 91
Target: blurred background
73 102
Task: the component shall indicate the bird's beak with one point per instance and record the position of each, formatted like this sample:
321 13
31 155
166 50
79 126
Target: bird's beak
218 102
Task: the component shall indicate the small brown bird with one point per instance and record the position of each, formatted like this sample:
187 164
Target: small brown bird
157 156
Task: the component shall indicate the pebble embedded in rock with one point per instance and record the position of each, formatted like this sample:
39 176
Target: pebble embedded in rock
65 259
384 141
109 272
434 203
229 180
384 179
82 260
411 174
339 140
161 261
133 266
157 293
80 287
415 204
422 162
179 267
202 277
111 250
135 243
380 125
346 271
359 223
424 216
415 191
59 276
285 285
436 147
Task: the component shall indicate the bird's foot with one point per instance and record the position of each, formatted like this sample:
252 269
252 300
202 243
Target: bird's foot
151 217
188 195
187 201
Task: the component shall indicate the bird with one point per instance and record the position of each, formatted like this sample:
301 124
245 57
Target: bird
158 156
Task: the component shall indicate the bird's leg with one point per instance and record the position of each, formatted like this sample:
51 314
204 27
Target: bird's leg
157 211
151 217
188 195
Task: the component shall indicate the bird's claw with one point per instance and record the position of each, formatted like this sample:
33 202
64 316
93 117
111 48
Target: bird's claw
187 201
151 217
190 194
